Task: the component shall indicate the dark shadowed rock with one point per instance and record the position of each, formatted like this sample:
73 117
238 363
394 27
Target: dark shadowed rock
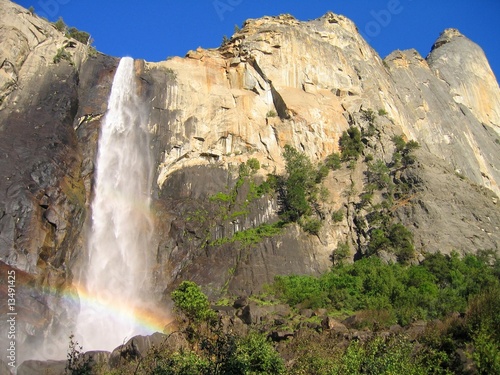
42 368
139 346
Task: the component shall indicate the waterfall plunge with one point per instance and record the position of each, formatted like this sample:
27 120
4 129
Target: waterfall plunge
117 275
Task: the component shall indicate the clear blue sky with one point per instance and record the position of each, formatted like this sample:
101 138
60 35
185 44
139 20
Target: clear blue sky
156 29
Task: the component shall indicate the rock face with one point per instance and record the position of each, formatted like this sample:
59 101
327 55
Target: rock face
276 82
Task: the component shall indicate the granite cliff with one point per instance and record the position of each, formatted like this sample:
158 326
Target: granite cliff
278 81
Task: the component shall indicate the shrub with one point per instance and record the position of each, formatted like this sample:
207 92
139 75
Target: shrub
271 113
190 300
350 144
368 115
382 112
402 242
399 143
62 54
253 164
321 174
340 253
254 354
81 36
60 25
333 161
298 188
379 174
76 361
338 216
312 225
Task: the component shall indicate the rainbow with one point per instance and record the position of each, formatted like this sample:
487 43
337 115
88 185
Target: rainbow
148 319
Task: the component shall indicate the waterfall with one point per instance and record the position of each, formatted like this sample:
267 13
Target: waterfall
115 283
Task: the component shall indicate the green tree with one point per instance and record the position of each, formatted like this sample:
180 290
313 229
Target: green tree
81 36
350 144
254 355
60 25
333 161
379 174
190 300
402 242
298 188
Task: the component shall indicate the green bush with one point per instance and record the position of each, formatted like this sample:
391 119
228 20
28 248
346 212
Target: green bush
338 216
190 300
60 25
298 189
333 161
368 115
62 54
410 292
312 225
253 164
378 173
350 144
390 355
254 355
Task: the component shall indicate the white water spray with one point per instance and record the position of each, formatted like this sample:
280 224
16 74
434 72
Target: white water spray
116 281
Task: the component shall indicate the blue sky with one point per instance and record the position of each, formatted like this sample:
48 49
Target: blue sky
156 29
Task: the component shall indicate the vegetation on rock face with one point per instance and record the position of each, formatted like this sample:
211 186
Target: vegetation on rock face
76 361
458 297
439 286
350 144
190 300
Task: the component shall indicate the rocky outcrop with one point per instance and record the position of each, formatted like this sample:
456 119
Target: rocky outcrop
47 113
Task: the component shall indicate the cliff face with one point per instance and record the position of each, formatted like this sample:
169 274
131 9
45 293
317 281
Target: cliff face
276 82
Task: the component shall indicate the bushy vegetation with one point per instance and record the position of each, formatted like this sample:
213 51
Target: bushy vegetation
62 54
192 302
72 32
350 144
76 361
299 191
437 287
211 349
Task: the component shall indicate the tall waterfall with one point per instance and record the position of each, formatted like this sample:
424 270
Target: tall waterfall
116 278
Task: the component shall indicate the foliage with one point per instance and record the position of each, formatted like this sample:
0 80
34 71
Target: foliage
253 164
439 286
333 161
390 355
184 362
483 312
404 151
76 361
252 235
190 300
81 36
254 354
62 54
340 253
379 174
60 25
271 113
311 225
486 355
338 216
350 144
368 115
382 112
298 189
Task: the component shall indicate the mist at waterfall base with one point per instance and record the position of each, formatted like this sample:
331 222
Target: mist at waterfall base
115 282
